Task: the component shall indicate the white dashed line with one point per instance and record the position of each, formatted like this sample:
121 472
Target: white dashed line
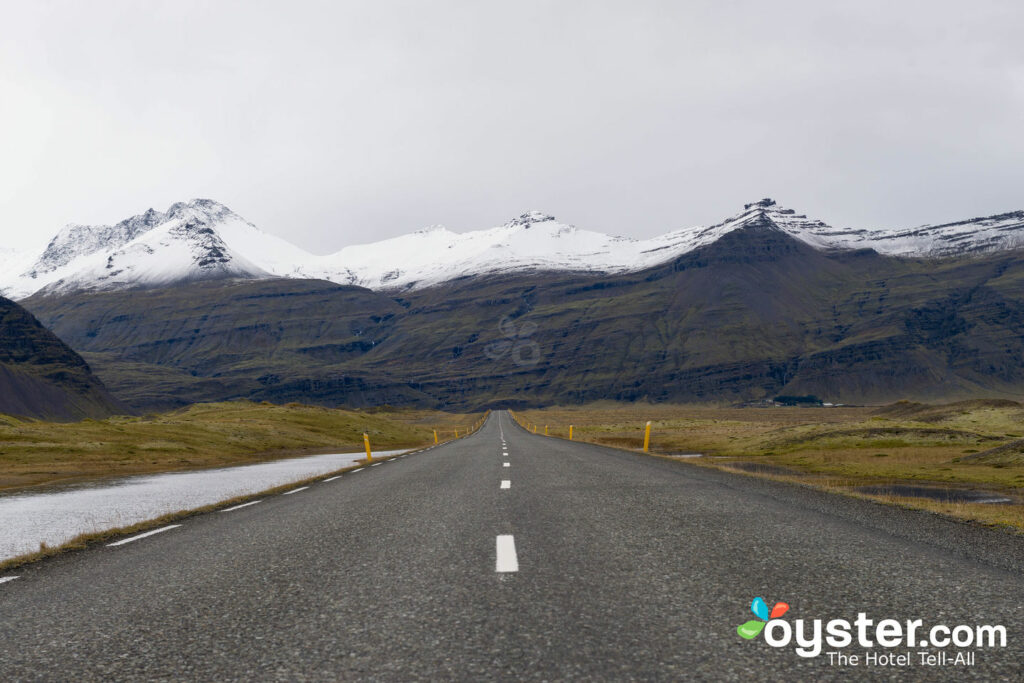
506 484
332 478
5 579
359 470
288 493
505 554
505 464
376 463
148 533
243 505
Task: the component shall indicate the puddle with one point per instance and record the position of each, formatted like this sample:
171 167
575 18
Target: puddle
943 495
61 512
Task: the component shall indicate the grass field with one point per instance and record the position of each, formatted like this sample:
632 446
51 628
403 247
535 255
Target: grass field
976 445
203 435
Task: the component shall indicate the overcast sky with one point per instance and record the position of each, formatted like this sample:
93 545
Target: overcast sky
342 122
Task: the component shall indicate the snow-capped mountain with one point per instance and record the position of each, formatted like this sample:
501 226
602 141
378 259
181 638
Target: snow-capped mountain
203 239
1003 232
533 241
197 240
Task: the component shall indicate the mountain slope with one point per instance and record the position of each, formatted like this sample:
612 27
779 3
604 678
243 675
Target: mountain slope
755 313
41 377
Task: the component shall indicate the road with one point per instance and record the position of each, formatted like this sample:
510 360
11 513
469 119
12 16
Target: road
590 564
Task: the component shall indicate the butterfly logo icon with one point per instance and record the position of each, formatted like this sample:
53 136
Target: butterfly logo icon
759 607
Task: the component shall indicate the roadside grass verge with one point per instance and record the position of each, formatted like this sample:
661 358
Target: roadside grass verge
202 436
974 445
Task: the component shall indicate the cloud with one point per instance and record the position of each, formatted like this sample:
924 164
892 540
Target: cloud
335 123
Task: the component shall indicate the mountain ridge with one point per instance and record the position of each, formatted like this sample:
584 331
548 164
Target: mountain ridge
752 314
532 242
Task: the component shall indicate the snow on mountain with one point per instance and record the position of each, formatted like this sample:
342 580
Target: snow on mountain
1003 232
179 250
203 239
533 241
152 249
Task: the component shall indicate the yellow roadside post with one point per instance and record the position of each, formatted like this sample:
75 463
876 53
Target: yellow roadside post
456 432
570 432
647 436
534 429
435 437
366 442
545 430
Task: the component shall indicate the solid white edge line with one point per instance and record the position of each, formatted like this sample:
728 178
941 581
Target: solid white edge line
332 478
5 579
148 533
288 493
243 505
506 484
505 559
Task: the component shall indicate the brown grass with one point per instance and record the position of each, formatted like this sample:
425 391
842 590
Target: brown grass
831 448
201 436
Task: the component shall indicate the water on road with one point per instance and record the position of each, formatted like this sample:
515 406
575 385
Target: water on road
57 515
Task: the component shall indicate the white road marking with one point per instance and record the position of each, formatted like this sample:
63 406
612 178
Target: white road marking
505 464
243 505
506 484
148 533
359 470
5 579
505 554
332 478
288 493
376 463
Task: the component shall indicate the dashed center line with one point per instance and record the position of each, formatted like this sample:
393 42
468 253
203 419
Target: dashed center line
243 505
505 554
148 533
288 493
505 464
506 484
5 579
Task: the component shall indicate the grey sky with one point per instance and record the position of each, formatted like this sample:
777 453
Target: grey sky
341 122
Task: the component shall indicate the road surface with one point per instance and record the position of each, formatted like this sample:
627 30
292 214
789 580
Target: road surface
510 556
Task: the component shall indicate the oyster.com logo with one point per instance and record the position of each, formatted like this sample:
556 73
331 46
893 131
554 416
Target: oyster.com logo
759 607
883 642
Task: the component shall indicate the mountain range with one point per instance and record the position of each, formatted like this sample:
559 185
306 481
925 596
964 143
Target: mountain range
196 304
204 240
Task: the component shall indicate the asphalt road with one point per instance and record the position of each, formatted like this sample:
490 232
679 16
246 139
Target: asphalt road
619 567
